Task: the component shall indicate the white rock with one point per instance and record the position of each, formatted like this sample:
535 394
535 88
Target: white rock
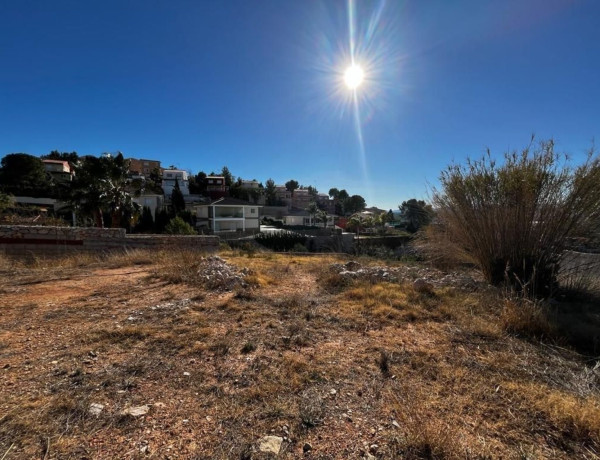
96 408
270 444
136 411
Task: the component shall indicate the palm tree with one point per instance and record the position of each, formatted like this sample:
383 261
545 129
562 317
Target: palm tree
312 209
101 185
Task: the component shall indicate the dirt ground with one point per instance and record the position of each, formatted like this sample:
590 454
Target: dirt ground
330 368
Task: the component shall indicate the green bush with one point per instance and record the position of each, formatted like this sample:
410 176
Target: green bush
514 219
177 226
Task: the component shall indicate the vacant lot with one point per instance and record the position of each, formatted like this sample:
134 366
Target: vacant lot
171 356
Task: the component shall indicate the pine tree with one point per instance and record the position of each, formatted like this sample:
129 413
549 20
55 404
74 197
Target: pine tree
177 201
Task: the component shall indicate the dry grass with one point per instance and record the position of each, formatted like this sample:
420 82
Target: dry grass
527 318
360 368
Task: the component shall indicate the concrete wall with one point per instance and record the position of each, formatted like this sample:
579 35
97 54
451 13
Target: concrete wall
23 240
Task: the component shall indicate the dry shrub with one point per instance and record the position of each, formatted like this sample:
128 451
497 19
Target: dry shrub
334 282
527 318
311 409
514 219
255 279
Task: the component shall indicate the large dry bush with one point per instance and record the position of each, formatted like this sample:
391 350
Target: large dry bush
514 218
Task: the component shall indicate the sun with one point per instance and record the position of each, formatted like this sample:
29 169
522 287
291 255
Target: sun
354 76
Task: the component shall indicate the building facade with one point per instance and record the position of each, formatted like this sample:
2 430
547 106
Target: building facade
172 176
142 167
227 215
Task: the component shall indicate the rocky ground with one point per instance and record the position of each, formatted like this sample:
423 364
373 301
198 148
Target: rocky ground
410 273
276 356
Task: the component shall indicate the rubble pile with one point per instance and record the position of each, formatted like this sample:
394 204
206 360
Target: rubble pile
435 278
219 275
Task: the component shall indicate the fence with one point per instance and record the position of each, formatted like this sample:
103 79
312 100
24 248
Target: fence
23 240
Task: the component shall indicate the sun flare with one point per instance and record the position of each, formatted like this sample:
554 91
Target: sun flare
354 76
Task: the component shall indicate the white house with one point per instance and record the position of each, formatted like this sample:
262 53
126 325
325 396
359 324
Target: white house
170 176
59 170
227 215
152 201
303 217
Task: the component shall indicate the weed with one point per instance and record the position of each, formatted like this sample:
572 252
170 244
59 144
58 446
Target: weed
248 347
311 409
220 348
384 363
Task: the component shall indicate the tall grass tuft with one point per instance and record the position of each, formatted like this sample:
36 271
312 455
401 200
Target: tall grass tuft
513 219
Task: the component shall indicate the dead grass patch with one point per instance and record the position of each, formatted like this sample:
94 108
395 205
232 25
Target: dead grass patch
124 337
527 318
577 418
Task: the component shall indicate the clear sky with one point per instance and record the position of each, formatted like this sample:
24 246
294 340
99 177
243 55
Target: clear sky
258 85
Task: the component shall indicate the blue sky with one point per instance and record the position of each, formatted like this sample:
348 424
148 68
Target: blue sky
258 85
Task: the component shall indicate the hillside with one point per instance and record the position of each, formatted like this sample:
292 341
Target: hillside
173 356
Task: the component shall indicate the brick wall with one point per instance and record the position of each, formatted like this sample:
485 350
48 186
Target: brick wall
23 240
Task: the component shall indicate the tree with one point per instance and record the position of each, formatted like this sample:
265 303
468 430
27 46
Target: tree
146 223
312 191
24 175
101 185
379 221
87 188
292 185
355 223
353 204
118 192
343 195
270 193
154 182
312 209
236 190
71 157
254 194
5 201
227 175
334 193
161 221
178 226
417 214
390 216
177 200
322 216
197 184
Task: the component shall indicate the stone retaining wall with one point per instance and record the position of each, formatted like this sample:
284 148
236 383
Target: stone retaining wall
23 240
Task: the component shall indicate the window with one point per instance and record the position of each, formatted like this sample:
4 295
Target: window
252 211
